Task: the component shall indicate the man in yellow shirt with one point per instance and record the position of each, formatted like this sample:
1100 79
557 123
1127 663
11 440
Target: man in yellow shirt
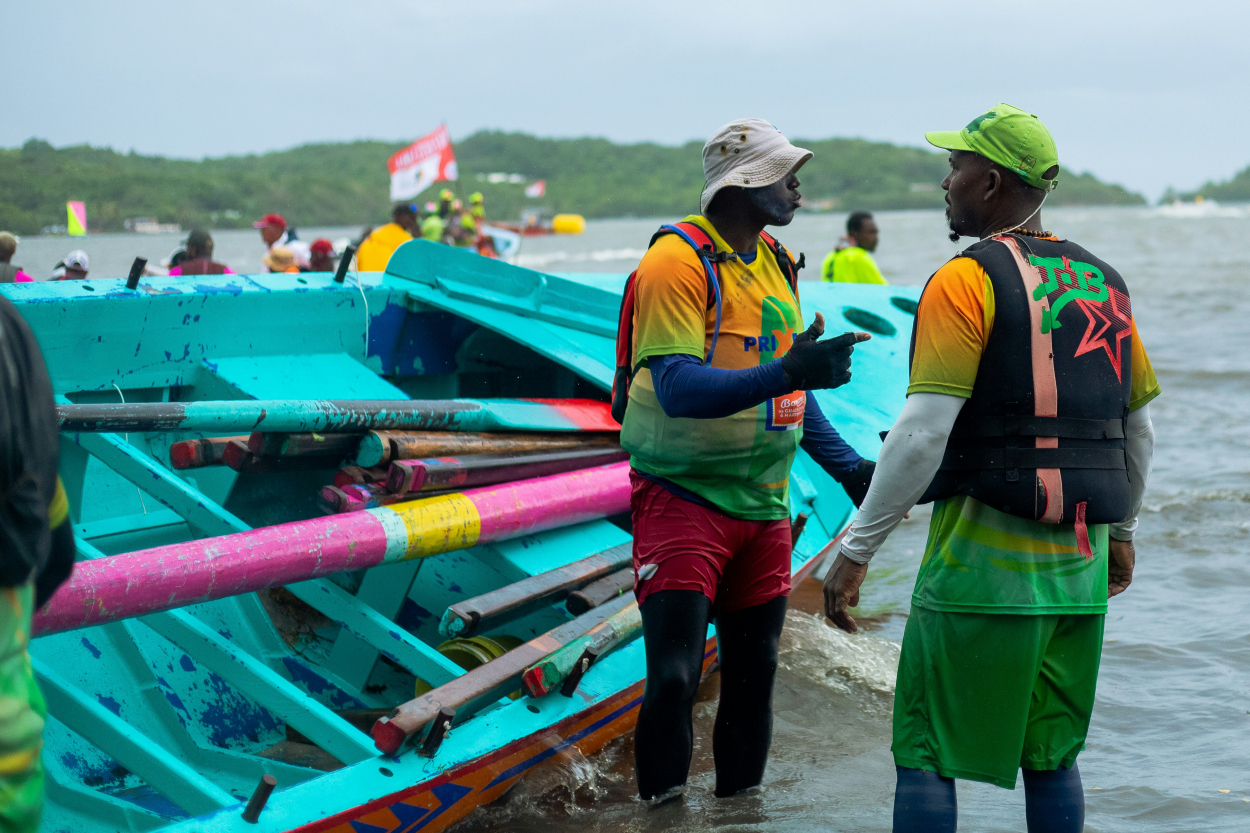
854 263
376 249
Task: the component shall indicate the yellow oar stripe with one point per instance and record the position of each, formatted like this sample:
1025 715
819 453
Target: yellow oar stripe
439 524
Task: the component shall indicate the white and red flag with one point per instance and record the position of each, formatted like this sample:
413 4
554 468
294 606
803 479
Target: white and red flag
428 160
536 189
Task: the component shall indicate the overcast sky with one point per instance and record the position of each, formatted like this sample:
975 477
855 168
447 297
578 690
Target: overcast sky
1146 93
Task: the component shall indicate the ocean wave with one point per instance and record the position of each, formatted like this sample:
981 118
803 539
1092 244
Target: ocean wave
601 256
839 660
1182 499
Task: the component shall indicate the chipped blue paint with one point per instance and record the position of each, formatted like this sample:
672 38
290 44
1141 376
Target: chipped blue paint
95 652
315 684
110 704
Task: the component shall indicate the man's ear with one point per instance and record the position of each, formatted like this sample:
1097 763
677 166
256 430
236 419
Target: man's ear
993 184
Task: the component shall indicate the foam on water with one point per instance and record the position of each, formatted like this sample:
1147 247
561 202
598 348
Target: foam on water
825 655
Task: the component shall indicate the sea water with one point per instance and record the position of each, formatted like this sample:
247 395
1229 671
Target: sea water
1169 746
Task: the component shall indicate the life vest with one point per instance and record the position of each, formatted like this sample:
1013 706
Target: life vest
1042 436
711 259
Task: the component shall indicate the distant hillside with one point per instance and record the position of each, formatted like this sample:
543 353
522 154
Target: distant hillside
346 184
1236 189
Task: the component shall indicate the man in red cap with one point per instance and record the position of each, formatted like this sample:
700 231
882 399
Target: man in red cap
321 256
274 231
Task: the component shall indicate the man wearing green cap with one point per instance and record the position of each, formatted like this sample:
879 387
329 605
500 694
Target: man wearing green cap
1027 423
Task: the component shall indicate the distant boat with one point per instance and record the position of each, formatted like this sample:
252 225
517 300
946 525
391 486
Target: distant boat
150 225
1198 209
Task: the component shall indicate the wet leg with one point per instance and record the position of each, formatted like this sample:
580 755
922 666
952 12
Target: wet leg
1054 800
924 802
747 641
674 629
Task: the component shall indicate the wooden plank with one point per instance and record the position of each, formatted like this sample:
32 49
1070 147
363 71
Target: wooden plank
497 607
196 508
261 683
138 753
484 684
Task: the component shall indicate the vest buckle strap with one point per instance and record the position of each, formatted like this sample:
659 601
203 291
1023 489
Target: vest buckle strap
1013 459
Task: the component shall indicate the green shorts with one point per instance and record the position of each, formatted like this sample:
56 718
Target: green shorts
980 695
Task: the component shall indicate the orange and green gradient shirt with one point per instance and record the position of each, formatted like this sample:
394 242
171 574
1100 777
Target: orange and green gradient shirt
740 463
979 559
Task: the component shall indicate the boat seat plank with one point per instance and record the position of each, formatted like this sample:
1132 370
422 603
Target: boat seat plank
377 631
384 589
329 375
176 494
264 685
164 772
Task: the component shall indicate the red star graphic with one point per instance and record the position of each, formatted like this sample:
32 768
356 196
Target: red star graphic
1120 321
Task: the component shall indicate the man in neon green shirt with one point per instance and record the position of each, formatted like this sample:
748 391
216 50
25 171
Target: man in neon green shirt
854 264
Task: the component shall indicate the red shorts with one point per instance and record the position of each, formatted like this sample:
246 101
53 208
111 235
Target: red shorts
735 563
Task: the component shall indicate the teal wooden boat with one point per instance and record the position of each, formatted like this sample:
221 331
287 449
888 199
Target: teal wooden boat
169 702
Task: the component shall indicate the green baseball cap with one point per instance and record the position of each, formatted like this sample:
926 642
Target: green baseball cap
1009 136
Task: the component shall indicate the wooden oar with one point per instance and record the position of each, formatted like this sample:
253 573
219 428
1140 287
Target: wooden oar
483 685
406 476
598 592
381 447
282 444
195 454
564 668
497 607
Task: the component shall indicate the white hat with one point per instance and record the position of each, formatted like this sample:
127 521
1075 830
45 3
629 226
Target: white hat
749 153
77 259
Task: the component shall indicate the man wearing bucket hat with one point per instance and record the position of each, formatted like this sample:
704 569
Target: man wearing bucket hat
1027 422
713 366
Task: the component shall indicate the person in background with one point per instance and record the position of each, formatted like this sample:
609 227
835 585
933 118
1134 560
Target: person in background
75 265
854 263
36 557
199 259
321 256
8 272
1027 424
274 231
716 411
461 227
280 259
376 249
432 227
477 208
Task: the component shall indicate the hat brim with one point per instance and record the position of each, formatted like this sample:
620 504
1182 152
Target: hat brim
947 140
760 174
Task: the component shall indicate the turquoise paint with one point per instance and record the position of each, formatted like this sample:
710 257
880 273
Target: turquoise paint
234 321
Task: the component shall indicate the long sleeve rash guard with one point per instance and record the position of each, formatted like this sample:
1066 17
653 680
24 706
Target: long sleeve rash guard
685 387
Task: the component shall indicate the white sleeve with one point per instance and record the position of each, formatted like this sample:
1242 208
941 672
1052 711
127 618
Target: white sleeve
1139 448
909 459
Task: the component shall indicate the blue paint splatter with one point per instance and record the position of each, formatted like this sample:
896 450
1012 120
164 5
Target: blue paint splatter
110 704
186 663
95 652
316 684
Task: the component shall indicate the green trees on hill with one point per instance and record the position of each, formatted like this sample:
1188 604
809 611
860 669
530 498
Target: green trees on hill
1236 189
347 184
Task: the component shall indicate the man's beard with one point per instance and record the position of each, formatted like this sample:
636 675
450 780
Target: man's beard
778 209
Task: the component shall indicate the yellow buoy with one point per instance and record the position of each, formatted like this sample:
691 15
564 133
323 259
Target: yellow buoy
568 224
